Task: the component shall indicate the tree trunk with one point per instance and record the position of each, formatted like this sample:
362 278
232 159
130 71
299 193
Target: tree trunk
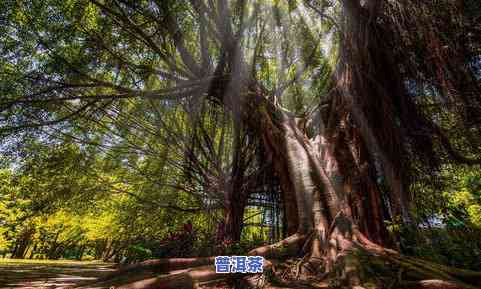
234 216
80 253
52 251
22 244
334 234
235 190
32 253
333 176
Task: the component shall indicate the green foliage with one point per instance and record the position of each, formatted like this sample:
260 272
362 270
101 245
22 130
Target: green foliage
75 205
450 227
464 206
110 163
137 253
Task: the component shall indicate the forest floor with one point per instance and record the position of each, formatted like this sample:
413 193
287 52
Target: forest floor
49 274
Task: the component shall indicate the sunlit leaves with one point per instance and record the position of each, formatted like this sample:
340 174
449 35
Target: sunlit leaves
464 198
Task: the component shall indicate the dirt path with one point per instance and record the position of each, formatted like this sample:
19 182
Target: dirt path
49 274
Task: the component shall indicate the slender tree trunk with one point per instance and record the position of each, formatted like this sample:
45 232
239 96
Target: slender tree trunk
107 250
236 191
81 253
22 244
15 248
52 251
32 253
234 216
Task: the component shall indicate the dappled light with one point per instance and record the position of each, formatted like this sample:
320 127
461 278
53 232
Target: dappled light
240 144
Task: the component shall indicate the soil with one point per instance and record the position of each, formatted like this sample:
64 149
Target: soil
50 274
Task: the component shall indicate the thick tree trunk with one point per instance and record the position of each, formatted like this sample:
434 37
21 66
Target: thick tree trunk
368 84
333 204
333 179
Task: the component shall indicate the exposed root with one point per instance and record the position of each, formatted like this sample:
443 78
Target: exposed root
350 261
287 247
190 278
468 275
186 279
431 284
161 265
359 266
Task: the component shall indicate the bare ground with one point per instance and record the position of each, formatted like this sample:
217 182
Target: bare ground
50 274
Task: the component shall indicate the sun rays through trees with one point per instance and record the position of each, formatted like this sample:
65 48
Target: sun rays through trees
330 137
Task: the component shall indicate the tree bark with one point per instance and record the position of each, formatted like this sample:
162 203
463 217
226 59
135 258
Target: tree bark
234 216
22 243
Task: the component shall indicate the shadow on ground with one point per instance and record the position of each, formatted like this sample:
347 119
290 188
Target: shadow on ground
50 275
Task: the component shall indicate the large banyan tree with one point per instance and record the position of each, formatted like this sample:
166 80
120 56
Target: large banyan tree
348 104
